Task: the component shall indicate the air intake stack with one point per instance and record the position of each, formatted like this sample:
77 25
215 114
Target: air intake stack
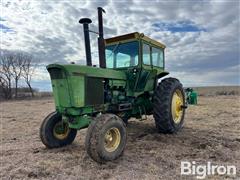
85 22
101 41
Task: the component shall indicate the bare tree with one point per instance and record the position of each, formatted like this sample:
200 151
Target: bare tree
13 67
17 67
28 71
6 74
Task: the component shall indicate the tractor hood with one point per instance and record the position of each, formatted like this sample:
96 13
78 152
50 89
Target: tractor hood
80 86
82 70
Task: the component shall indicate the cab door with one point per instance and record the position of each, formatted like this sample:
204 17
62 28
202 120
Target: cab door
146 76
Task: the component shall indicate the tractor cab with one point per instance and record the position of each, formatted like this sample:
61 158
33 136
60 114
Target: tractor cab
141 57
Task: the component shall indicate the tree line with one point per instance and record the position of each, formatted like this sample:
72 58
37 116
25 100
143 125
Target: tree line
15 66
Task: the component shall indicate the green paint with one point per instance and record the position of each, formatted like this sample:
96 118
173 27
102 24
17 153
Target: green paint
80 70
134 83
191 96
80 122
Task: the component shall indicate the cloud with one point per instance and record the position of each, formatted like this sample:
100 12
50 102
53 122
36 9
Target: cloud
202 37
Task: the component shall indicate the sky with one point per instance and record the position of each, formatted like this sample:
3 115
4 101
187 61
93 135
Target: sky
202 37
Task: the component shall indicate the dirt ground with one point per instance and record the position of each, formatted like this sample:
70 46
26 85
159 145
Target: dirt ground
211 133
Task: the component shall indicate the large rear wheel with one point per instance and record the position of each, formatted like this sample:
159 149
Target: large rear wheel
56 133
169 106
106 138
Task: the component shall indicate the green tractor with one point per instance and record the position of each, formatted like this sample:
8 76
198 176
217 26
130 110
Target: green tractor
103 98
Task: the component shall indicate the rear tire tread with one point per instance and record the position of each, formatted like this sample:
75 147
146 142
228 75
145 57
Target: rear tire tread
161 105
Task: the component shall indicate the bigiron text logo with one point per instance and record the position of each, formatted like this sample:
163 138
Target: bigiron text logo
202 171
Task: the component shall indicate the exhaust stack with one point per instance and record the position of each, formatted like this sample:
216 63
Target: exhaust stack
101 42
85 22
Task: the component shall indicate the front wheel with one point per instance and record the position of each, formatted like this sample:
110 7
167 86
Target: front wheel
55 133
106 138
169 106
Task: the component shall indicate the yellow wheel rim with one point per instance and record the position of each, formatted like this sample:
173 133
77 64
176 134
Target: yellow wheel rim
112 139
177 103
61 130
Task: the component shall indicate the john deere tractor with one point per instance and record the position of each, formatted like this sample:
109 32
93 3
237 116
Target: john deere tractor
103 98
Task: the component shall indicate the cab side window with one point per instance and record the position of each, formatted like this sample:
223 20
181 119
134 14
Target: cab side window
146 54
157 57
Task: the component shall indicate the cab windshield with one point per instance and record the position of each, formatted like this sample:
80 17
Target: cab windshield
122 55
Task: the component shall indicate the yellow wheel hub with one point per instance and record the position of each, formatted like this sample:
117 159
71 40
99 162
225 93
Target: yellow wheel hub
61 130
112 139
177 103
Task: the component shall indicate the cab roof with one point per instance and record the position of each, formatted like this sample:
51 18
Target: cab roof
132 36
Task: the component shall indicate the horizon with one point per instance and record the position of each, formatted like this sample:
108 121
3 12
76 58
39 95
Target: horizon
48 88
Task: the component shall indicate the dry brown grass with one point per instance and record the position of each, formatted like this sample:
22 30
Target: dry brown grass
211 133
218 90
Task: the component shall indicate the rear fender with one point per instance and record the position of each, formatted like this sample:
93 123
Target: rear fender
162 74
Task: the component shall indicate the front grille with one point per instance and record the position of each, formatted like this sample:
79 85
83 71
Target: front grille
94 91
56 73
